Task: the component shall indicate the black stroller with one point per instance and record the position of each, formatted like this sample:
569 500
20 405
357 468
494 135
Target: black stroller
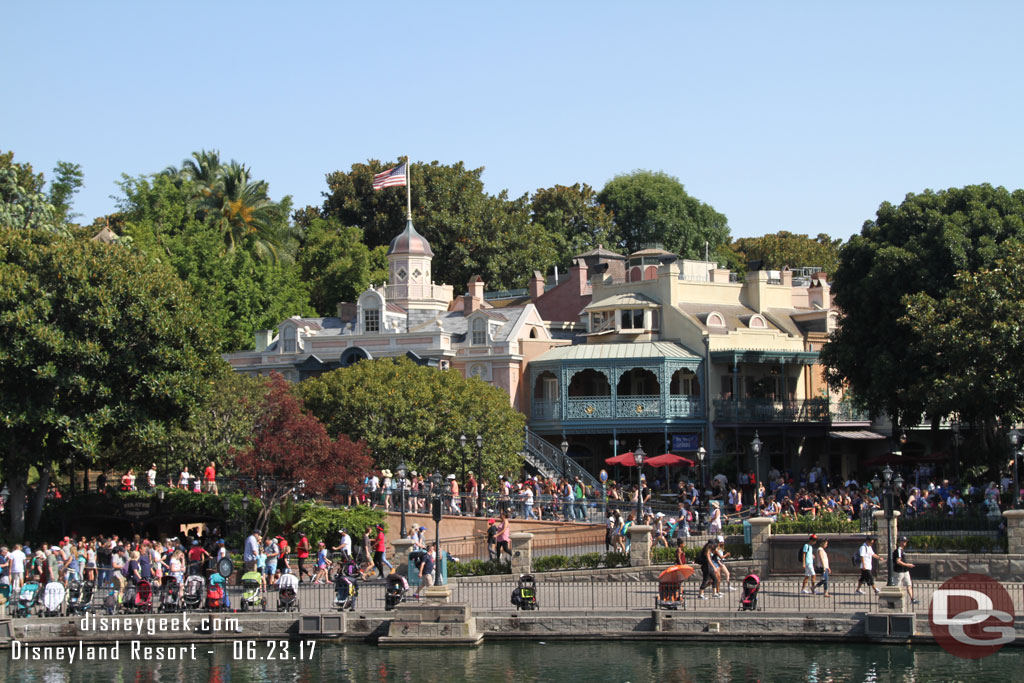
751 585
170 595
395 591
345 591
80 596
525 594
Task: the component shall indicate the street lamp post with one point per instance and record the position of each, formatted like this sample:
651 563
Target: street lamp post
565 456
956 452
755 447
437 492
639 455
891 486
480 474
401 470
1015 443
701 453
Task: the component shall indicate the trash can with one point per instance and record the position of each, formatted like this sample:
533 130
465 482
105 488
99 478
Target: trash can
747 526
414 571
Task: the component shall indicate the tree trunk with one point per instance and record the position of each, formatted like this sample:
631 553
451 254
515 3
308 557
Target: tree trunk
17 486
38 500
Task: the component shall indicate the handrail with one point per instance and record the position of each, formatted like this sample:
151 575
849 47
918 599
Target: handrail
555 461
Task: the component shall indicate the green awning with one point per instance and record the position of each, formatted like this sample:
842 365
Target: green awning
734 356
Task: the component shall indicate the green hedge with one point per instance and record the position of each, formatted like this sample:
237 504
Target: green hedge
479 568
955 544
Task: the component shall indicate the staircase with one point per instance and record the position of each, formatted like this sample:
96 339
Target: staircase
549 461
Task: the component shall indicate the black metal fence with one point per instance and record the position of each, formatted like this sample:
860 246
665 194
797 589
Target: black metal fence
774 596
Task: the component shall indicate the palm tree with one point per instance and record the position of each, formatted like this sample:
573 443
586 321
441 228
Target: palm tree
244 212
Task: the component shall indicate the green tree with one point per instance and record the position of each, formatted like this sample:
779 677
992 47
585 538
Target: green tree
100 350
788 249
653 207
67 180
574 219
470 231
239 291
976 340
23 205
917 247
413 413
337 265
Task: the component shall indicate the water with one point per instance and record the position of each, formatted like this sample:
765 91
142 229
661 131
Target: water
562 662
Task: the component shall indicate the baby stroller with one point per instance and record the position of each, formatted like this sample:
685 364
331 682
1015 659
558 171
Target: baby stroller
288 593
142 598
345 591
28 598
53 599
216 594
170 597
80 596
252 591
525 594
395 591
751 585
193 593
670 585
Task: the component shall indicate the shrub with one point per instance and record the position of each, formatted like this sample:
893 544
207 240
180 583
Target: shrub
321 523
957 544
479 568
612 560
585 561
825 523
549 563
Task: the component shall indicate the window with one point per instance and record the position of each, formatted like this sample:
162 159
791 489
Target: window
371 320
715 320
633 319
478 371
655 319
479 332
289 340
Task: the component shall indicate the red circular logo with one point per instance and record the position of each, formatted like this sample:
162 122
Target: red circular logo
971 616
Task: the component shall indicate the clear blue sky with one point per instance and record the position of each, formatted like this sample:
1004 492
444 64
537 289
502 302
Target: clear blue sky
783 115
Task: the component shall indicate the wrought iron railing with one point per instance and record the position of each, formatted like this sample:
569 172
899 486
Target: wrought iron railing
791 410
552 461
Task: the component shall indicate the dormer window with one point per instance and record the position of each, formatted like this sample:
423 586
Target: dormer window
479 337
758 323
288 342
715 320
371 320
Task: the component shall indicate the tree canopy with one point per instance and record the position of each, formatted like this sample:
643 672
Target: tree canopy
654 208
784 248
24 205
290 449
915 248
337 265
574 219
408 412
100 350
240 289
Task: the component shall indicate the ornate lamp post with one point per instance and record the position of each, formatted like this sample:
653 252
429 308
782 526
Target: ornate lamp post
701 454
956 451
889 488
639 456
1015 443
437 493
565 456
755 448
401 470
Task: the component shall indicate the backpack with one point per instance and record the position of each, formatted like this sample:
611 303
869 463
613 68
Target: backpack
801 554
856 559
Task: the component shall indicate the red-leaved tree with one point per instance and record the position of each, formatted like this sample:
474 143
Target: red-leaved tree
290 449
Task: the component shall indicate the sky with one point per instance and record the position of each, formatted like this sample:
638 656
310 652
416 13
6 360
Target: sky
799 116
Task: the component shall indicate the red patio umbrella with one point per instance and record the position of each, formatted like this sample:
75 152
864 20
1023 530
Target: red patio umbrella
626 459
667 459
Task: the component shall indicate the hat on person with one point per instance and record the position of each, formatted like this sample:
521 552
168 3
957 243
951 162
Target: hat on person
451 476
414 474
814 537
904 539
195 542
491 520
423 528
660 514
386 473
322 543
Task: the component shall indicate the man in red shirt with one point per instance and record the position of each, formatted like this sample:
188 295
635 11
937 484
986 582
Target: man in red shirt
302 553
210 479
380 546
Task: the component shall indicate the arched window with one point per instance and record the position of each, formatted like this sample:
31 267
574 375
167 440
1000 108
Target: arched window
479 332
758 323
371 320
288 343
715 319
684 383
589 383
478 371
639 382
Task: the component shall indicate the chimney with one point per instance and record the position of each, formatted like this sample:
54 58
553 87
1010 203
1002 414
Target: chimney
787 276
347 312
476 287
263 339
578 272
819 295
536 285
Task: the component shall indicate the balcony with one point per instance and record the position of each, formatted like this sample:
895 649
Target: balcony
808 410
622 407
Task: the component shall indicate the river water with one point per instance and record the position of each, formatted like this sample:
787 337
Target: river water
515 662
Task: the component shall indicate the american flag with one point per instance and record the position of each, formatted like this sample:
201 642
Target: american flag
393 177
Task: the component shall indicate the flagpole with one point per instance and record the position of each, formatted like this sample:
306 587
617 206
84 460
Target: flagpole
408 189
